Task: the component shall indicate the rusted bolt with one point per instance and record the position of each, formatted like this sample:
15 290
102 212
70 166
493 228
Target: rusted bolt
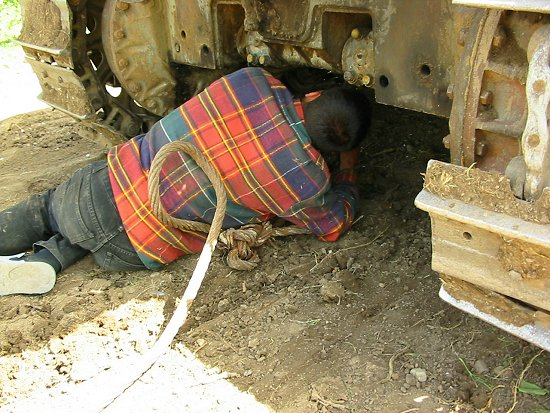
447 141
539 86
44 74
134 87
122 63
178 48
500 37
461 38
481 148
356 33
350 76
533 140
486 97
451 91
119 34
121 5
366 80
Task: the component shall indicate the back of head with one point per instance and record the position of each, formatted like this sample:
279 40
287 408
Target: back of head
338 119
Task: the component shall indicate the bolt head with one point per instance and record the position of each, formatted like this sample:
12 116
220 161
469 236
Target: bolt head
539 86
461 38
533 140
481 148
356 33
486 97
121 5
447 141
451 92
134 87
500 37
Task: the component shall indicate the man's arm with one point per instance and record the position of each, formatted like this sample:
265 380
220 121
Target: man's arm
330 213
349 159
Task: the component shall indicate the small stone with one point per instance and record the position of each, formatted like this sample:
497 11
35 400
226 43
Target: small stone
410 379
14 336
419 374
332 291
201 342
56 346
480 367
223 305
254 342
247 373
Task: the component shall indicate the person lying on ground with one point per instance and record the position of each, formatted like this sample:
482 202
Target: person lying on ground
265 145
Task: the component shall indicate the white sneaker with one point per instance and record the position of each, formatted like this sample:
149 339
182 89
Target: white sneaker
10 257
22 277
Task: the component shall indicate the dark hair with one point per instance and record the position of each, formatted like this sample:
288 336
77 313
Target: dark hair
338 119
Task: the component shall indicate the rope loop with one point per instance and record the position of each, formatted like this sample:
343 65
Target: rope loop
239 243
211 173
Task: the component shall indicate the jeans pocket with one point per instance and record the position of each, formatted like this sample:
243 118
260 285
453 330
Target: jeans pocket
66 205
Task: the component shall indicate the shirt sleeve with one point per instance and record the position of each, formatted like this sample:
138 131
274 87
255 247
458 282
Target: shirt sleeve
330 213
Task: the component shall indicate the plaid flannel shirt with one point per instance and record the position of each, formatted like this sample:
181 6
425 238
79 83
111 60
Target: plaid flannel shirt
251 129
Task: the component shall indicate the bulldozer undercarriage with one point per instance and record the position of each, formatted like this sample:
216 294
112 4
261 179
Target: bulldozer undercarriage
121 65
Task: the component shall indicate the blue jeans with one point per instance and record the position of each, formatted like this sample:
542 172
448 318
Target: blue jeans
76 218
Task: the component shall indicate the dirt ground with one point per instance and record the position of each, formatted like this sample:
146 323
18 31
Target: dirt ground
351 326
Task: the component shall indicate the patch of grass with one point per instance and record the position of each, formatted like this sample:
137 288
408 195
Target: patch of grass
10 22
532 389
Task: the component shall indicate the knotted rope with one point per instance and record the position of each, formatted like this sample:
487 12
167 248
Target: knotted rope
239 243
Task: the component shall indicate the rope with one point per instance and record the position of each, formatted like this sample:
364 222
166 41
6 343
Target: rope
239 243
211 173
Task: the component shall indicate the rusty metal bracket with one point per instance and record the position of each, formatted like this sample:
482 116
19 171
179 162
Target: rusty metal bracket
481 246
484 236
535 141
63 90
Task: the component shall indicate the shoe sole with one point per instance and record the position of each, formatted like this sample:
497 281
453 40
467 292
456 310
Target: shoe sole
22 277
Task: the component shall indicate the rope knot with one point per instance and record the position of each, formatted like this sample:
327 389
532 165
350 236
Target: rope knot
240 244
